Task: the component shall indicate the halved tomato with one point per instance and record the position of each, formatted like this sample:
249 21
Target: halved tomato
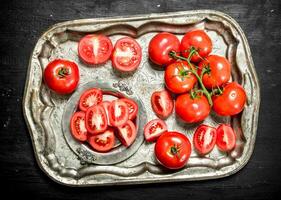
118 113
90 98
77 126
162 104
154 129
103 142
106 105
204 139
226 137
96 120
132 106
126 55
127 133
95 49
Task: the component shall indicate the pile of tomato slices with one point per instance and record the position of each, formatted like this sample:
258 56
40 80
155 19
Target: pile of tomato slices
99 121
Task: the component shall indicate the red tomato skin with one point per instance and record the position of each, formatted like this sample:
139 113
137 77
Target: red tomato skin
154 125
159 98
231 101
176 81
163 150
199 40
81 136
132 106
93 140
160 46
225 131
98 98
124 115
192 110
123 133
220 71
58 84
89 114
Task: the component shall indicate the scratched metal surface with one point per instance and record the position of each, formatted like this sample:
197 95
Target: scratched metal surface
43 110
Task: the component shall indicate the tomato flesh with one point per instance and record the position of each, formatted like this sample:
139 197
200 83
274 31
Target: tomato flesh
105 105
118 113
226 138
96 120
132 106
154 129
78 127
103 142
127 133
90 98
162 104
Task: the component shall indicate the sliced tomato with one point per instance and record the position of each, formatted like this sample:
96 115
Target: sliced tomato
90 98
95 49
96 120
118 113
204 139
77 126
106 105
127 133
132 106
154 129
103 142
126 55
226 137
162 104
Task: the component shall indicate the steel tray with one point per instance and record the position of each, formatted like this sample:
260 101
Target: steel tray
43 110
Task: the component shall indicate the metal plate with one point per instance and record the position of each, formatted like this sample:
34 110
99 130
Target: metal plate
43 110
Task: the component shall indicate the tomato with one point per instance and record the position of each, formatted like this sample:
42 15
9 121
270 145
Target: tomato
127 133
105 105
231 101
192 110
172 150
103 142
162 104
118 113
90 98
61 76
226 137
177 79
95 49
96 120
154 129
160 46
199 40
126 55
220 71
77 126
132 106
204 139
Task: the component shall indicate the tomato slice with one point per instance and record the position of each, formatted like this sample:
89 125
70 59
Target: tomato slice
105 105
103 142
127 133
132 106
118 113
226 137
77 126
95 49
154 129
96 120
90 98
126 55
162 104
204 139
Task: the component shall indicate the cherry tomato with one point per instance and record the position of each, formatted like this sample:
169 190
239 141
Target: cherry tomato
90 98
96 120
95 49
160 46
154 129
105 105
103 142
118 113
127 133
220 71
199 40
132 106
172 150
231 101
226 138
61 76
126 55
191 109
162 104
177 79
204 139
77 126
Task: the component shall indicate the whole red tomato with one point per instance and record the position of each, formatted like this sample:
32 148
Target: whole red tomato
231 101
173 150
220 71
61 76
192 109
160 46
199 40
177 79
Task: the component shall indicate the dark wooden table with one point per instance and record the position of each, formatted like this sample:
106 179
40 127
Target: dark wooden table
22 22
